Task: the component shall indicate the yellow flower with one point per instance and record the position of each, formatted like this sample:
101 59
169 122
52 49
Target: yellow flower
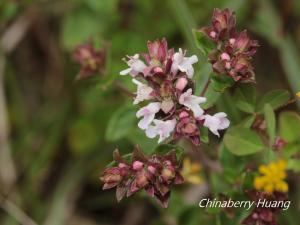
272 177
298 94
190 171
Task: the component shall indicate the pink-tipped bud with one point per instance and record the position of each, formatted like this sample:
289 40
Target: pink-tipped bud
232 41
141 179
167 174
279 143
137 165
158 70
225 56
122 165
213 34
228 65
181 83
151 169
183 114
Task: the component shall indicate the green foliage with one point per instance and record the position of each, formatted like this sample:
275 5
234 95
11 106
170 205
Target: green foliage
221 82
165 148
79 26
242 141
275 98
245 98
271 123
121 123
289 126
203 43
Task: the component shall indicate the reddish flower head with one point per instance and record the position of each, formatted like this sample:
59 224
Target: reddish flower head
155 174
264 215
233 53
222 25
92 61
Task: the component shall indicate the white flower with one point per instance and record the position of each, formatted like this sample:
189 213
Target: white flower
148 112
143 92
184 64
216 122
192 102
161 128
136 66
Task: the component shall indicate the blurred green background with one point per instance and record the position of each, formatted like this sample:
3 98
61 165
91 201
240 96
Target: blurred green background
57 135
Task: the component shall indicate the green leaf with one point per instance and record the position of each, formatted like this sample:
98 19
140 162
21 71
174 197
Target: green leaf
294 164
78 27
289 126
204 135
203 43
232 165
271 123
275 98
138 137
126 157
212 96
121 123
247 122
242 141
165 148
221 82
245 98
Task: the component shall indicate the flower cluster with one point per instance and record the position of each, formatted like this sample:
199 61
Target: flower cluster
155 174
272 178
92 61
264 215
233 53
165 79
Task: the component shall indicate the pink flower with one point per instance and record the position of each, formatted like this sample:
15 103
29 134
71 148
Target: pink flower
143 92
192 102
136 66
163 129
148 113
183 64
216 122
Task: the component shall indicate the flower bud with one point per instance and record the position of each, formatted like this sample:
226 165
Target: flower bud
141 179
181 83
225 56
232 41
183 114
151 169
168 173
122 165
279 143
137 165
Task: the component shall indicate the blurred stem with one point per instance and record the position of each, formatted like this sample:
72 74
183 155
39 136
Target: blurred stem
205 87
14 211
8 173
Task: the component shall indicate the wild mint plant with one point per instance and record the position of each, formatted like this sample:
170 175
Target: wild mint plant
168 107
165 78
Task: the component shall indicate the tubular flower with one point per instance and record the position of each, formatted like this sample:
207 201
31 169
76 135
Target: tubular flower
190 171
298 94
272 177
165 78
155 174
233 53
92 61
